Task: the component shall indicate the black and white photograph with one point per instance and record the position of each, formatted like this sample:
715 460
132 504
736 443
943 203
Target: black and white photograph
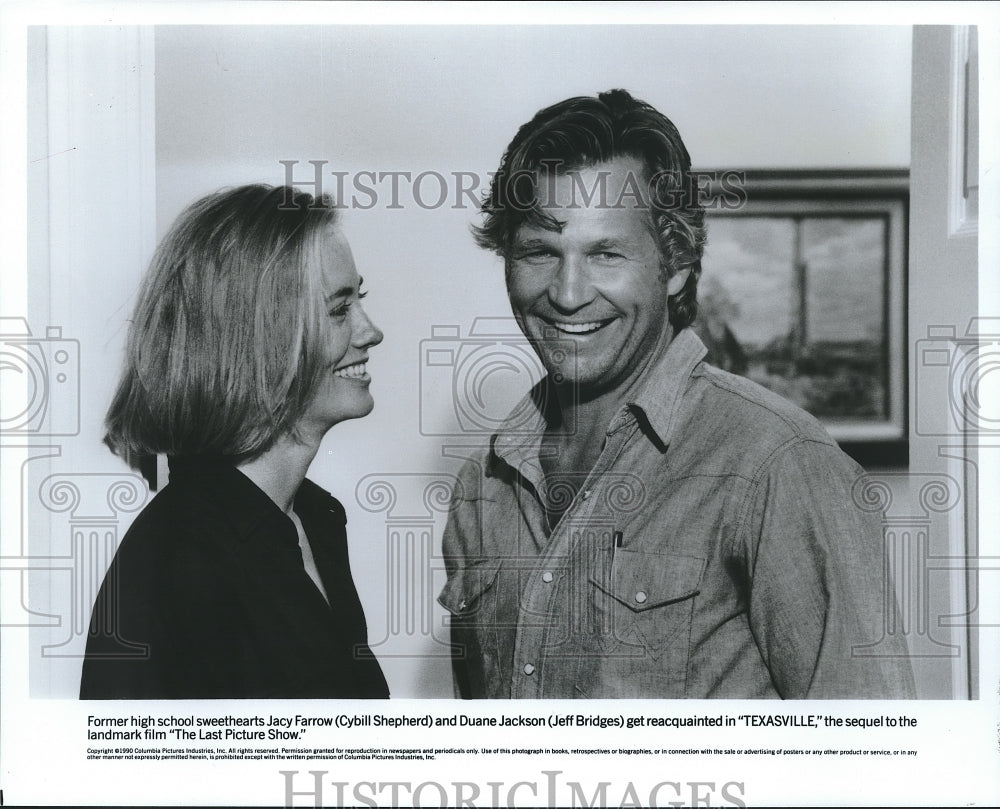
378 378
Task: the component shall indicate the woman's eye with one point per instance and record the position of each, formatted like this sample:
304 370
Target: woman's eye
344 309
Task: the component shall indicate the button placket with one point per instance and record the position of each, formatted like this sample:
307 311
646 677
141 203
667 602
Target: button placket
538 598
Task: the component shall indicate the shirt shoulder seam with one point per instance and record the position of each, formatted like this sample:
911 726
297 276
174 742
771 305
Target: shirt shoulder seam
716 380
746 506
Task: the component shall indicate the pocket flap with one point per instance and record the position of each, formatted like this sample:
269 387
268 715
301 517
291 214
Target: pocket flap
461 594
643 580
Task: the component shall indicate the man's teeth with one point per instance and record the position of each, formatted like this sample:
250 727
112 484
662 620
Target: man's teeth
356 371
578 328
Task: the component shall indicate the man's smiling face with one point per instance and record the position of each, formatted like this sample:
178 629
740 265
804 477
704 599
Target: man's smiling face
597 280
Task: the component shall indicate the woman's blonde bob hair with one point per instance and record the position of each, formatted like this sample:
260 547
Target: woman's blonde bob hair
226 344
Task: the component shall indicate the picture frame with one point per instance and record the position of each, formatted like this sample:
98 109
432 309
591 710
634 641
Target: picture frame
803 290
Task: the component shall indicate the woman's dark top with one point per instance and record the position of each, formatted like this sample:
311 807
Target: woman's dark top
207 597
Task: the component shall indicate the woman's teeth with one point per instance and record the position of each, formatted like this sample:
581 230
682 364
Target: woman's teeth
356 371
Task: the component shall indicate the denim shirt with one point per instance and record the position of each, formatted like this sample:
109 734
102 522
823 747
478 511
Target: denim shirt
714 550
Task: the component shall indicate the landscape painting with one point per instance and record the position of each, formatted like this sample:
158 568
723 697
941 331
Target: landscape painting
802 293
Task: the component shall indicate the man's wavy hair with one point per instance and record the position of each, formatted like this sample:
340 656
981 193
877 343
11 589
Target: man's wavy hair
582 132
226 344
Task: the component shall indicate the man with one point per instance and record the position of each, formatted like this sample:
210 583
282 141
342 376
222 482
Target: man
660 528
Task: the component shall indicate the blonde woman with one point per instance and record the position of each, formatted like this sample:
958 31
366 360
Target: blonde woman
248 343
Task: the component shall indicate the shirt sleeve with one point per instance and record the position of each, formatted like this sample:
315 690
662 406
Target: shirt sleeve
820 597
454 542
461 544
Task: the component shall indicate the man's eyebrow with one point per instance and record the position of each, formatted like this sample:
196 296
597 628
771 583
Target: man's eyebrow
530 243
608 244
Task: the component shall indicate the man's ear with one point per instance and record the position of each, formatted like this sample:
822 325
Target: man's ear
676 282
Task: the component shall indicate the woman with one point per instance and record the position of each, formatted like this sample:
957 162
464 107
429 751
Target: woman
248 343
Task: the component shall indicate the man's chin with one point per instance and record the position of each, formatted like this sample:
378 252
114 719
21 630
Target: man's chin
584 366
578 388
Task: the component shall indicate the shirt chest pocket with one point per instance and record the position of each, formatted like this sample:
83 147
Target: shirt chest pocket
648 598
470 595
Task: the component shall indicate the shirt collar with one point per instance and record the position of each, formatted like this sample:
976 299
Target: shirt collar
518 442
661 390
233 493
658 399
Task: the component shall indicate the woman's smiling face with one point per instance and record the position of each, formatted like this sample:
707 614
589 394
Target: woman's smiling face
343 391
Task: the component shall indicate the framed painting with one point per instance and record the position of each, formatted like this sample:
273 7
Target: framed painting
803 291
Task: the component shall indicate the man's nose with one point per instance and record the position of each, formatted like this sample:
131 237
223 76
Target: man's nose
570 287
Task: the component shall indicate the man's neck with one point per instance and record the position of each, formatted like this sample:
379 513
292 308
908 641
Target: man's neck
586 415
581 420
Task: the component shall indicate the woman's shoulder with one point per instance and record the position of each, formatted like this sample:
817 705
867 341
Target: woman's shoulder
178 505
175 526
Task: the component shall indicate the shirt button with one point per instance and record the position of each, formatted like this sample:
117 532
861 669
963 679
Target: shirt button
529 669
462 605
586 494
640 597
546 577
